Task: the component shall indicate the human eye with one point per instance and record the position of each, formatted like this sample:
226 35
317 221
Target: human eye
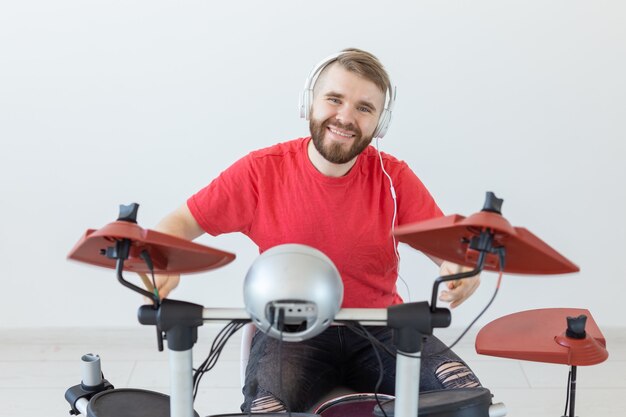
364 109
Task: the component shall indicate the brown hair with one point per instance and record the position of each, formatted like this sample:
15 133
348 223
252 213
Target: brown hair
364 64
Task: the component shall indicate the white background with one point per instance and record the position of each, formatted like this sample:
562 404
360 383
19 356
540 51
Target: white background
110 102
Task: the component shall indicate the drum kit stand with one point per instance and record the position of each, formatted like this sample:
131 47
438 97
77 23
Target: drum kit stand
484 240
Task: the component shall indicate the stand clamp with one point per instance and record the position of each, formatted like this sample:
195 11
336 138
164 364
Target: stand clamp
412 321
75 393
179 320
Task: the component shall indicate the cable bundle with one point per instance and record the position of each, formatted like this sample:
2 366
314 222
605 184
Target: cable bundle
216 349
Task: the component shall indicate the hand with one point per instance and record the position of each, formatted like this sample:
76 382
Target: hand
166 283
459 290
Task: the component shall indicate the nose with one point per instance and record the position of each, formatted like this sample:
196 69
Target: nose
346 114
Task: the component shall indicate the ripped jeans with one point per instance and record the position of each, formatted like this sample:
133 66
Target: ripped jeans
338 357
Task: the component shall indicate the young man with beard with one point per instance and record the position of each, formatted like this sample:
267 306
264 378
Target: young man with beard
331 191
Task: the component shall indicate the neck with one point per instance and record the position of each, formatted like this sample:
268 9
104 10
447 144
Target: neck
325 167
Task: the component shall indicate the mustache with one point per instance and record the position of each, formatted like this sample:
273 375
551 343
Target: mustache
347 127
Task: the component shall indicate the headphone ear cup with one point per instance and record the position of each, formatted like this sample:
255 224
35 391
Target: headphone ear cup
306 101
383 124
309 103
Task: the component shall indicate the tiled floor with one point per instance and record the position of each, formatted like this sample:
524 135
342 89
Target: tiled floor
38 365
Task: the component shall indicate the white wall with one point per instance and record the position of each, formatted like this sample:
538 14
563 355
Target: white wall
103 103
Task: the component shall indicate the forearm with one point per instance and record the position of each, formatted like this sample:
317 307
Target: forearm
179 223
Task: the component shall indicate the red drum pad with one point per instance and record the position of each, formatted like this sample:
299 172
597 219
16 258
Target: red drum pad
448 238
539 336
169 254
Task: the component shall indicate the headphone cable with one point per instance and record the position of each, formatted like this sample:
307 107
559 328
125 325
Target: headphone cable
392 190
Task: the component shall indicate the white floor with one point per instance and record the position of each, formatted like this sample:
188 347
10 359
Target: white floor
38 365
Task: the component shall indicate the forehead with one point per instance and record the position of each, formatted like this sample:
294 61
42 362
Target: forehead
337 79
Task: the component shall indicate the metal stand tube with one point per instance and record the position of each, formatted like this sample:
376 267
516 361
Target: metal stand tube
365 316
181 383
407 385
497 410
81 405
224 314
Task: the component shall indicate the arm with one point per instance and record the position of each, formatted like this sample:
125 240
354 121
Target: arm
179 223
459 290
414 204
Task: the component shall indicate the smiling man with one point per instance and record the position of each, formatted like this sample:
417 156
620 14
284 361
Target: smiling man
336 193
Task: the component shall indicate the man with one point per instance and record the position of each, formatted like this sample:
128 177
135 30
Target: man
336 193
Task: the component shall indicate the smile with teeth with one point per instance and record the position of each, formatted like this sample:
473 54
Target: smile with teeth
340 133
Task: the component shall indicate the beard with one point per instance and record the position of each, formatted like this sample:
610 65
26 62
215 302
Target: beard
336 152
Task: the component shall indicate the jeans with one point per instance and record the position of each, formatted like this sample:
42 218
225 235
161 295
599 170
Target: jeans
339 357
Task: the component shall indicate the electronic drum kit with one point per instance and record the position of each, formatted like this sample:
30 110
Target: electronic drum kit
484 241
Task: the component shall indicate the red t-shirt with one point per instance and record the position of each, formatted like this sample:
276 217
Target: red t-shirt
275 196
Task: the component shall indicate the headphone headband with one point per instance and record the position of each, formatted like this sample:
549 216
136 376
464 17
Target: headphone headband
306 97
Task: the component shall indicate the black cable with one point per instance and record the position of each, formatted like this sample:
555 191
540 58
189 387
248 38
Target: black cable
220 341
216 349
207 364
156 298
493 297
354 327
568 393
381 375
145 255
154 285
280 323
360 330
393 354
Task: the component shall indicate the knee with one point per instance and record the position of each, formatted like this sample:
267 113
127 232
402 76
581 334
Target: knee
456 375
267 404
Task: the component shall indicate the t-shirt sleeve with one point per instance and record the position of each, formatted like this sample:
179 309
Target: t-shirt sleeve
415 202
229 202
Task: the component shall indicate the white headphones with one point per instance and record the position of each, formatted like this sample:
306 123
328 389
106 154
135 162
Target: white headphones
306 98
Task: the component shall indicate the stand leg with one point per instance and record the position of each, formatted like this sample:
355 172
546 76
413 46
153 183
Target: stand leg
407 385
572 392
181 382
